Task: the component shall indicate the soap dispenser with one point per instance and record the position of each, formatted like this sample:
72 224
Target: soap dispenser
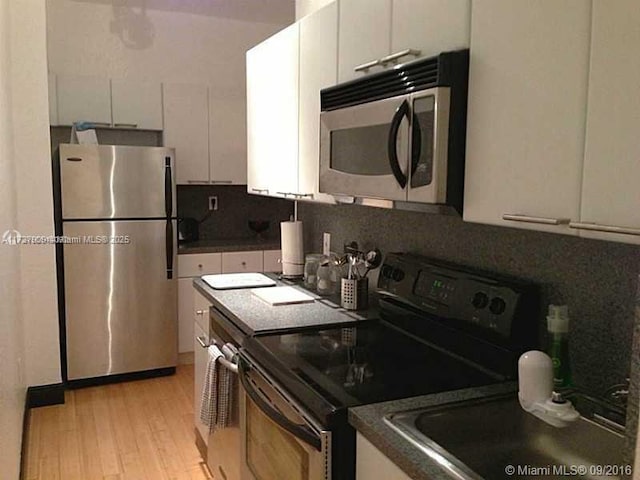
536 395
558 328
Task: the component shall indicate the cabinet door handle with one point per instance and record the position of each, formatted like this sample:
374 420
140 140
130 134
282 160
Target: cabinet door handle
260 190
200 312
604 228
517 217
398 55
224 182
202 342
366 66
101 124
126 125
198 182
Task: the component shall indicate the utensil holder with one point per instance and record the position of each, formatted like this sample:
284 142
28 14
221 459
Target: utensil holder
354 293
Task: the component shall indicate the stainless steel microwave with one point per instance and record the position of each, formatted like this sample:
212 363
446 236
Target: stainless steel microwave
398 136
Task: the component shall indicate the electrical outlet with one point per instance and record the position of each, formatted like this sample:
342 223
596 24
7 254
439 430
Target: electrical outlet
326 244
213 202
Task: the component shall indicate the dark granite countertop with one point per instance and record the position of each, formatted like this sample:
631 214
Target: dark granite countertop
368 420
252 315
229 245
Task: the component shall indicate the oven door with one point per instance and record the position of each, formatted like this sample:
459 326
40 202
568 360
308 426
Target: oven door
429 146
364 149
279 439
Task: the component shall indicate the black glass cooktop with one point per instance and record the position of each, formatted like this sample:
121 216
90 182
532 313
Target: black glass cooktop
373 362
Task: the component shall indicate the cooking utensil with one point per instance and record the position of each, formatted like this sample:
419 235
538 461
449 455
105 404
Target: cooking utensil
372 260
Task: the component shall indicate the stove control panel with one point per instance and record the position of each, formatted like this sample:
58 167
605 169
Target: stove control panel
461 297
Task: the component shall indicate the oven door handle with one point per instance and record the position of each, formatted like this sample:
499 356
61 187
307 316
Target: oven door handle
303 433
392 151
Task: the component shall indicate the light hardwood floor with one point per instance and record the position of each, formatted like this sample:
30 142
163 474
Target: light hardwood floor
128 431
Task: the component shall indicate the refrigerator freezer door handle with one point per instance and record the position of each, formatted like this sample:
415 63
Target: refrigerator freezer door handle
168 188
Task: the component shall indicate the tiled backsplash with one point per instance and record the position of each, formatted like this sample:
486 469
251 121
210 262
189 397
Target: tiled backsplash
596 279
235 208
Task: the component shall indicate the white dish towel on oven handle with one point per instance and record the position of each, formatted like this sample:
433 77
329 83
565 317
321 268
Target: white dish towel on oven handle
217 390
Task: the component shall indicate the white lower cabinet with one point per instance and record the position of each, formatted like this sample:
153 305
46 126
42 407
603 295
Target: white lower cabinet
185 315
195 265
190 266
239 262
272 261
372 464
201 358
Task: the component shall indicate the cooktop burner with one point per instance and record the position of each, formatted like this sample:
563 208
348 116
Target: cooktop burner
372 362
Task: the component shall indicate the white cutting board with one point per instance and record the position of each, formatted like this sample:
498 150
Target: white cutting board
228 281
282 296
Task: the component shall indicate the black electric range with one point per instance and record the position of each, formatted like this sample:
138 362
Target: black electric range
442 327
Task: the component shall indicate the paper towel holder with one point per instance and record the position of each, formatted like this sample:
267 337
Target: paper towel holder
292 246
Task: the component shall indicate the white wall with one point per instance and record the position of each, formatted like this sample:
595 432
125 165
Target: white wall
171 46
34 189
305 7
12 384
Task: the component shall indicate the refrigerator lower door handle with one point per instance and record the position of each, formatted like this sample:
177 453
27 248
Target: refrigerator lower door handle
169 248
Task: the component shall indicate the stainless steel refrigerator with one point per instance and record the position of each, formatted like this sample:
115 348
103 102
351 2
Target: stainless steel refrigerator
115 206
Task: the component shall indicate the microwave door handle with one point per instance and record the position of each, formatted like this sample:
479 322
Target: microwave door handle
298 431
401 112
416 144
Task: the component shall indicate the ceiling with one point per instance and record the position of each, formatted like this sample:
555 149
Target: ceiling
265 11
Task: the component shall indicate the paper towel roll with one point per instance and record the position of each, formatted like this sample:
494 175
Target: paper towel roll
292 248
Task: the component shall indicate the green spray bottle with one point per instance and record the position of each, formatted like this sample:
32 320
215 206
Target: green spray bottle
558 328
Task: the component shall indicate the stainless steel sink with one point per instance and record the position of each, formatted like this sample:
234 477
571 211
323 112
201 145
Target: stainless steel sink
481 439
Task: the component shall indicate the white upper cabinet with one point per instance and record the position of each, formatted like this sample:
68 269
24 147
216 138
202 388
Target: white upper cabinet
377 34
186 128
83 99
272 114
610 195
104 102
430 26
526 114
364 33
228 137
136 104
318 69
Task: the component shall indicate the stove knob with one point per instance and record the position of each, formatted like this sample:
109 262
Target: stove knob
397 275
497 306
385 271
480 300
